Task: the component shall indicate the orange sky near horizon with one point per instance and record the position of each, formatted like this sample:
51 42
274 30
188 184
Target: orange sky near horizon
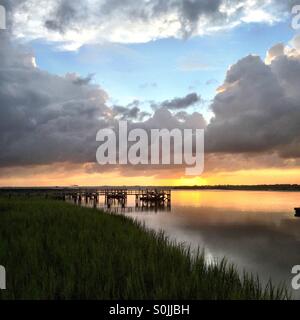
62 176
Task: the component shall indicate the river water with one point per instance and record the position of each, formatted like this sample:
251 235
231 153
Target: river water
255 230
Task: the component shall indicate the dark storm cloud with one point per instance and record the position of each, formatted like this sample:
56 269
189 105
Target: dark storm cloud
189 10
163 118
66 15
126 112
258 108
45 118
130 112
182 103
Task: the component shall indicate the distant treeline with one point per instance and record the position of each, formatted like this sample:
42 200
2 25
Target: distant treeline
262 187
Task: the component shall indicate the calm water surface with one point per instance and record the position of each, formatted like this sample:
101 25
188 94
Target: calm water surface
255 230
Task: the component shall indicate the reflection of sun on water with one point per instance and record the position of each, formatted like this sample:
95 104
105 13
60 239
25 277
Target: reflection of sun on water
243 201
257 231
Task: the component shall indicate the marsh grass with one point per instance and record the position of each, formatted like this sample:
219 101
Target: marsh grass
55 250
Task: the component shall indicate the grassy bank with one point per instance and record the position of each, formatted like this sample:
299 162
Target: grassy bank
54 250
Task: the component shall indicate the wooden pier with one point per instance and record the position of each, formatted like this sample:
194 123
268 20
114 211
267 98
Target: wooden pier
151 198
144 197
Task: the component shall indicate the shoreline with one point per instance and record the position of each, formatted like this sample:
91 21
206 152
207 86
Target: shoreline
70 252
263 187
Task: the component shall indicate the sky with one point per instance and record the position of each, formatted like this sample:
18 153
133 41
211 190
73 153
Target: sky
68 69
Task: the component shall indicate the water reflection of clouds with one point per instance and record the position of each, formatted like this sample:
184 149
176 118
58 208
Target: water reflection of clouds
266 243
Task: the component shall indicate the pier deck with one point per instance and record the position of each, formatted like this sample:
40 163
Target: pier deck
144 196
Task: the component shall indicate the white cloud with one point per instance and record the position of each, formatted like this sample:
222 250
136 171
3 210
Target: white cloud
72 24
